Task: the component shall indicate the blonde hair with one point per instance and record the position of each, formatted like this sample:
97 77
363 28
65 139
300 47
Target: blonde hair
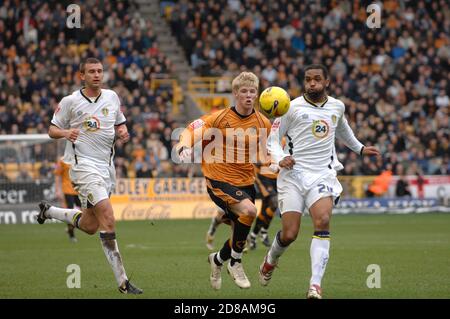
245 79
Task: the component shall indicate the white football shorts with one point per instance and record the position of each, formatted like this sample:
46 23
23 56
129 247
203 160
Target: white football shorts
298 191
92 181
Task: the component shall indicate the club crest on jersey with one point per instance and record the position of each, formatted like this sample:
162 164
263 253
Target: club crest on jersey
334 119
320 128
105 111
91 124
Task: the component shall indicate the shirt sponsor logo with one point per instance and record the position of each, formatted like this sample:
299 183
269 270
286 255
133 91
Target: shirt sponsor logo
91 124
320 128
196 124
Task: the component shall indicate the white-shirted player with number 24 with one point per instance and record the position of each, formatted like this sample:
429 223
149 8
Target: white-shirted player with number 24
308 165
90 119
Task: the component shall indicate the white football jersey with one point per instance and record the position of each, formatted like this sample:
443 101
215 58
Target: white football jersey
96 119
310 132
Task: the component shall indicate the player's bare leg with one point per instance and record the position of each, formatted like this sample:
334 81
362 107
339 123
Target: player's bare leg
88 222
290 228
216 220
320 213
105 216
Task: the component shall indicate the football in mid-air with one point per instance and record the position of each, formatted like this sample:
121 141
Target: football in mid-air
274 101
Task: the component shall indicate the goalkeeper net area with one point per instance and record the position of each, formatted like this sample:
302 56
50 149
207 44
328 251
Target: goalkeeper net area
27 164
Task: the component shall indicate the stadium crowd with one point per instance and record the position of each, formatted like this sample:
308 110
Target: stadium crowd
39 59
394 80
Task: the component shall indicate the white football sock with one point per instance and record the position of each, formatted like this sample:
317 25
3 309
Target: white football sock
276 250
63 214
221 261
113 256
235 254
320 247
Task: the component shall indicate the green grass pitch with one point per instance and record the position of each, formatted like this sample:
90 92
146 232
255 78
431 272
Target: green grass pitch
168 259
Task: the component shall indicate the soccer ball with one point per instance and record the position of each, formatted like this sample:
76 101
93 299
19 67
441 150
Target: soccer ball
274 101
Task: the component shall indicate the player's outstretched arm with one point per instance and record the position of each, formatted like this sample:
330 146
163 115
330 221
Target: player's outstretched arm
183 148
279 157
345 133
122 132
70 134
192 135
370 151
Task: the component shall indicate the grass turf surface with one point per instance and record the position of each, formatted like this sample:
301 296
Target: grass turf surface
168 259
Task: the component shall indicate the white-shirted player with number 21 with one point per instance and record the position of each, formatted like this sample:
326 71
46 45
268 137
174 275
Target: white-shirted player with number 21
308 165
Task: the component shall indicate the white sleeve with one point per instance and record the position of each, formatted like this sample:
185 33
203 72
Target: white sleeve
61 117
120 118
345 133
279 129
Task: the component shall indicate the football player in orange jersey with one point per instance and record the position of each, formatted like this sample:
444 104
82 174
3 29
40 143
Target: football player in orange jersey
229 170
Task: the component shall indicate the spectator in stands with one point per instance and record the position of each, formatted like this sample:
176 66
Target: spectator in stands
3 177
420 184
46 171
144 171
402 186
23 175
380 185
121 167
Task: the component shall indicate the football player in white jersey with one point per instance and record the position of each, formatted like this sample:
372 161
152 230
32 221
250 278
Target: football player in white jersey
307 179
91 119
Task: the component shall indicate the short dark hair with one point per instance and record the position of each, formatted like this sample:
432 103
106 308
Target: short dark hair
317 66
88 61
